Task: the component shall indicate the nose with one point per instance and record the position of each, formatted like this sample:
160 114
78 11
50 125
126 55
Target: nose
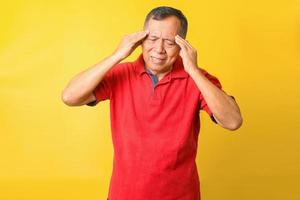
159 46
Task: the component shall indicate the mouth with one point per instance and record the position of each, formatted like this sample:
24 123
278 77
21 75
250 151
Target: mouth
156 59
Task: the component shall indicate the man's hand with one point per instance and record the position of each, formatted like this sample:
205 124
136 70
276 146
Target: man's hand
129 43
188 54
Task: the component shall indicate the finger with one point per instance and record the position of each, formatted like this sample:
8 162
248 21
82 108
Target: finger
184 41
181 46
143 32
179 38
180 43
138 36
187 42
190 45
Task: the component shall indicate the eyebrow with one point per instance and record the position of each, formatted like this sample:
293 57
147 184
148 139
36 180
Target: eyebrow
163 38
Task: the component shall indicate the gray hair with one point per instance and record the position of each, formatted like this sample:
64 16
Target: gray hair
162 12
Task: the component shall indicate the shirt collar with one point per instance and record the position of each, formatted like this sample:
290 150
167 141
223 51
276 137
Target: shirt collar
177 71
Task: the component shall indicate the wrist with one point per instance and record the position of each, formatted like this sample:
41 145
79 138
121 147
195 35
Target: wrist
194 71
115 57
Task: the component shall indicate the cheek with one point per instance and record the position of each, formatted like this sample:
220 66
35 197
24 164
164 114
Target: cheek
147 45
173 52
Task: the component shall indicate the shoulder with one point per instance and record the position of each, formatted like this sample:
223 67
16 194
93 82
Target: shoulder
211 77
206 73
121 71
120 68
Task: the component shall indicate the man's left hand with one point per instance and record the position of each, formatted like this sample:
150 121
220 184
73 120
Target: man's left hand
188 54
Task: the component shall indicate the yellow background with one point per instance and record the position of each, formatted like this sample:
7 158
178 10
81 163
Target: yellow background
51 151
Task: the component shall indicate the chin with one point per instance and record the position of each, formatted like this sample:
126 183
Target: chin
155 67
159 68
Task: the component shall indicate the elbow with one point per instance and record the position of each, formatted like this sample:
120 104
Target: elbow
68 99
236 124
233 124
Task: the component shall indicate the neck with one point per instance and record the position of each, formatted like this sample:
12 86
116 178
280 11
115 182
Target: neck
160 74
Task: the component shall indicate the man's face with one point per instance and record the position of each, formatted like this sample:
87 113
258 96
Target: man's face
159 48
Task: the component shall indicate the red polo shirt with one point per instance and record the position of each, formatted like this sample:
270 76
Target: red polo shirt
154 132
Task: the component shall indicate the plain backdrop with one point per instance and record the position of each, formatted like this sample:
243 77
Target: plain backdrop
51 151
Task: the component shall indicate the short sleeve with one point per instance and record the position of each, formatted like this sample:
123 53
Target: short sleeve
203 103
104 89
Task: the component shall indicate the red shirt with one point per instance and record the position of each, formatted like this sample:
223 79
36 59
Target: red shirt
154 132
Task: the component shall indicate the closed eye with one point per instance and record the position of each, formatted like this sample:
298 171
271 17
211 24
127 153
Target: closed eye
152 39
170 43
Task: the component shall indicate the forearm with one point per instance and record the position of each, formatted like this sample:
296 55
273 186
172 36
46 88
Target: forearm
224 108
83 84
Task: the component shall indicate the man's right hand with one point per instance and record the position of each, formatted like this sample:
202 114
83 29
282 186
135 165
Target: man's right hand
79 90
129 43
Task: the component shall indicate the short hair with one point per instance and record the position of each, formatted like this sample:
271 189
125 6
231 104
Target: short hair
162 12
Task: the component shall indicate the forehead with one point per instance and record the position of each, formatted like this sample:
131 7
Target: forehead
166 27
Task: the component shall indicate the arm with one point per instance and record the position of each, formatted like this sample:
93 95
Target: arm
224 108
79 90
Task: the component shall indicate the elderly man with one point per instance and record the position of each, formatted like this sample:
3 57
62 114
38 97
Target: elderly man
154 105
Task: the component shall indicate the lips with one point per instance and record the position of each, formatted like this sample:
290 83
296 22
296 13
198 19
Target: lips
157 61
158 58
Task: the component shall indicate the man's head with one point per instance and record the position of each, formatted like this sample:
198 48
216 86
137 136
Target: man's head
159 48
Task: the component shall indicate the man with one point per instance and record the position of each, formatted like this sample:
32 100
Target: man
154 104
